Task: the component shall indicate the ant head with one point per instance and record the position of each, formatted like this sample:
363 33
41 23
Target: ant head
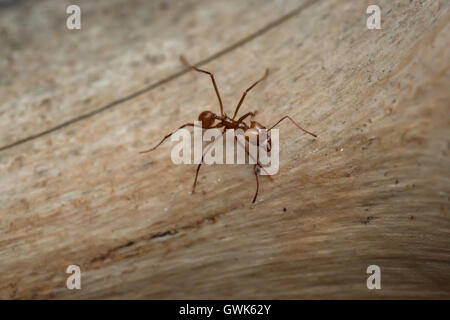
207 118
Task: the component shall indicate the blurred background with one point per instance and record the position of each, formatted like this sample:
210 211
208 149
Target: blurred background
78 104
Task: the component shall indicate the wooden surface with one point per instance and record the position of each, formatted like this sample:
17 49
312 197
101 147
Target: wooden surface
77 107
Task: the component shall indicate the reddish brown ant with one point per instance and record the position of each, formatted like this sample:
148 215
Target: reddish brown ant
211 120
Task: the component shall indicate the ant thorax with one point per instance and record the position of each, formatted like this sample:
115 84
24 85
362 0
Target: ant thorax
229 123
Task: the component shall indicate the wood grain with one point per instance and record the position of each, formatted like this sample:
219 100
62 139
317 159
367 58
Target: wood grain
373 188
54 75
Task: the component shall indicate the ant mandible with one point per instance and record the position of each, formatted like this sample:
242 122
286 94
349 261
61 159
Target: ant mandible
211 120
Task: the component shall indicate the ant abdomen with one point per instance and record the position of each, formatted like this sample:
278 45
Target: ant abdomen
257 129
252 135
257 134
207 118
256 125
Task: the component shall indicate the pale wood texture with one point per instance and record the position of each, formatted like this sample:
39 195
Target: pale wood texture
374 188
123 47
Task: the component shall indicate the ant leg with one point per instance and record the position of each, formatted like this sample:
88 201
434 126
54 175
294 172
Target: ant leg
257 182
250 156
201 162
251 114
287 117
184 125
187 64
248 89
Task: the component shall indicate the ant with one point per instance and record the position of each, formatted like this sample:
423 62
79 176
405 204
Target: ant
211 120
